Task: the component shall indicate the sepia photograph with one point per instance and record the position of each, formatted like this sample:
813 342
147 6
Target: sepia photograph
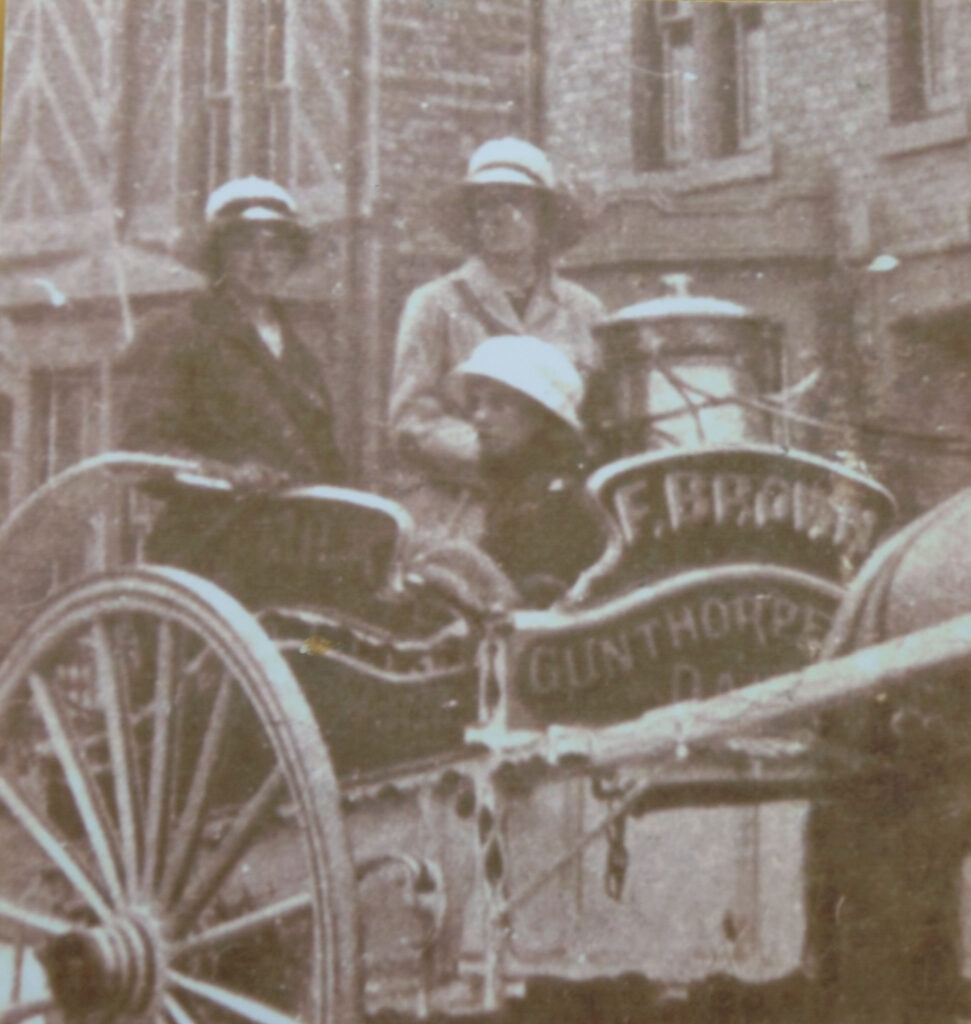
478 482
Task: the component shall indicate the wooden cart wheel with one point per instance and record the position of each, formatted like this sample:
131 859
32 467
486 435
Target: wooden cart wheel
170 837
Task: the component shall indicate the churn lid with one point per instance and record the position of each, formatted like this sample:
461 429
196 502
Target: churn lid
680 303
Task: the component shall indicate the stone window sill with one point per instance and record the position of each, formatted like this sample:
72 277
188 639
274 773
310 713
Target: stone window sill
943 129
749 165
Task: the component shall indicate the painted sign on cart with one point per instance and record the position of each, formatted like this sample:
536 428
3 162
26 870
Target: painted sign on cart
673 511
687 638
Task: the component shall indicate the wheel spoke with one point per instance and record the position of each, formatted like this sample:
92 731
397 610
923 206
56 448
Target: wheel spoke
19 960
32 922
113 690
232 846
53 846
161 740
177 762
229 931
243 1006
87 796
175 1011
192 818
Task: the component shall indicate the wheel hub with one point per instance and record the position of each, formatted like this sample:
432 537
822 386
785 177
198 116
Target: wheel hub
113 968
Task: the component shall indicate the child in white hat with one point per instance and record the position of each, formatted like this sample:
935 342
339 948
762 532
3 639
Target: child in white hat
523 397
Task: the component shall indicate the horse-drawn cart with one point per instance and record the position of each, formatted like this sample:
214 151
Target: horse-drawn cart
176 840
301 775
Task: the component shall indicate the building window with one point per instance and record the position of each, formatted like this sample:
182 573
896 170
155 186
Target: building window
751 103
277 85
678 74
248 89
920 69
699 88
663 76
218 96
64 420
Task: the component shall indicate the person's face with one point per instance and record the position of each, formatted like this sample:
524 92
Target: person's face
507 220
257 258
506 421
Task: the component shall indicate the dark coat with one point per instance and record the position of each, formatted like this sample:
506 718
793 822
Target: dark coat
199 382
539 529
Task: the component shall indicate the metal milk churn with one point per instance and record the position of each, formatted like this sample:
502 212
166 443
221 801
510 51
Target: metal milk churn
685 369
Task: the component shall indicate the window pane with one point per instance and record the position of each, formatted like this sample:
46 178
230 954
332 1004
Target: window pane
42 451
673 10
905 59
6 451
751 64
218 102
941 86
279 113
63 420
70 423
647 88
217 26
219 141
679 77
276 42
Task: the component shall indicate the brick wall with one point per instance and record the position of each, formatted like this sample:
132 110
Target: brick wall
589 87
452 75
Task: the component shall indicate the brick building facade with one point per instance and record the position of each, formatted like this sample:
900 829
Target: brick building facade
771 151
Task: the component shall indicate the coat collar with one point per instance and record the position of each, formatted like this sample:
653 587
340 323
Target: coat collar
220 309
296 368
490 296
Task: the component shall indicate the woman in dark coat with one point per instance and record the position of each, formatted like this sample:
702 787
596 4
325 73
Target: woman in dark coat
224 380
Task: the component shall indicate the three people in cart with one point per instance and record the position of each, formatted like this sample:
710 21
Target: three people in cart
493 365
486 417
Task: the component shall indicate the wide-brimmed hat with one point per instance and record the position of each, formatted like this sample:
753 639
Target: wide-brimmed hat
250 200
513 162
534 368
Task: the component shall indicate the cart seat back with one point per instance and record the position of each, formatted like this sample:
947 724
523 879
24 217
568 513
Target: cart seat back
314 545
320 545
82 521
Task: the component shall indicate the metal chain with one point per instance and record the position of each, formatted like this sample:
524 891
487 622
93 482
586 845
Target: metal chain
618 857
615 829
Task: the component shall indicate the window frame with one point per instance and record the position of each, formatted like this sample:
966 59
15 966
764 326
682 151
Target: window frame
51 389
710 107
921 76
752 129
218 92
676 30
278 89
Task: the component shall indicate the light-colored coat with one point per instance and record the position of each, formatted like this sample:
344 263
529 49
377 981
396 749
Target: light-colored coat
442 323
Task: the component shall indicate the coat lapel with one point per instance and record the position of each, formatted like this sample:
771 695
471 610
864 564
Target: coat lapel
486 296
483 293
291 372
543 306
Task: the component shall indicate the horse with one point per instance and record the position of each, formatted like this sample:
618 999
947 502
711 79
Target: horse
884 861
